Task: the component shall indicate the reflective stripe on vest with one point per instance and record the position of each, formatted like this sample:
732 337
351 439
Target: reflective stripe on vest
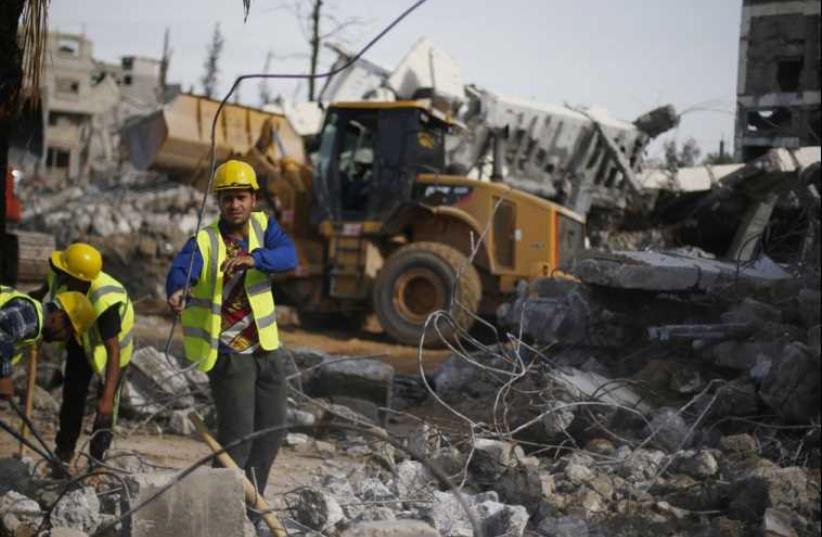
104 293
7 294
202 319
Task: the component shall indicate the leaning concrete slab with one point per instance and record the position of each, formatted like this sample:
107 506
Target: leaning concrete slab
207 503
669 271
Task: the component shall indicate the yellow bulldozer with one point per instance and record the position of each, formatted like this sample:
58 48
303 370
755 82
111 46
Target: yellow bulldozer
378 223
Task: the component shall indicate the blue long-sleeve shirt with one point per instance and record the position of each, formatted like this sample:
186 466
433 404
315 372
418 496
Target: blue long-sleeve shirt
277 255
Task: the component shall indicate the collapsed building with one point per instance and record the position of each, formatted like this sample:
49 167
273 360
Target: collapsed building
84 102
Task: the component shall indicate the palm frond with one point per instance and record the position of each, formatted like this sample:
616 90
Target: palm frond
33 34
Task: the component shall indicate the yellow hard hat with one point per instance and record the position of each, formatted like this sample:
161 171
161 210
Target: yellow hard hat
233 174
79 260
79 310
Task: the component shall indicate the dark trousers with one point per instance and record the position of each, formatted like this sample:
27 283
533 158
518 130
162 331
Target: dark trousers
250 395
75 390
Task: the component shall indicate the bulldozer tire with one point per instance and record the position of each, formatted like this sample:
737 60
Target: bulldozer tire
421 278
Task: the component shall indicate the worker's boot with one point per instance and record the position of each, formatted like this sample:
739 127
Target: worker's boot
61 466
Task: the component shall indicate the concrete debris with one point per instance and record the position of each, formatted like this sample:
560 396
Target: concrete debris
317 510
136 219
208 503
394 528
792 385
79 509
697 464
16 504
412 477
66 532
668 430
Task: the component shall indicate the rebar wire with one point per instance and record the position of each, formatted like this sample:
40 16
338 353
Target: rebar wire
380 434
68 487
213 152
23 440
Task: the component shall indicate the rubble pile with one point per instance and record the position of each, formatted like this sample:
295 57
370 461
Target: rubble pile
551 442
137 219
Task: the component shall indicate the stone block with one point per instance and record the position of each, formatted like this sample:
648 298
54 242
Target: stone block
208 503
792 388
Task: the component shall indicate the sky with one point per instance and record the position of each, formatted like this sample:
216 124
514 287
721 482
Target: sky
627 56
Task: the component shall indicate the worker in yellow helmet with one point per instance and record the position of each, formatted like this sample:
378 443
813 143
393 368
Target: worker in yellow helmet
228 318
23 322
105 349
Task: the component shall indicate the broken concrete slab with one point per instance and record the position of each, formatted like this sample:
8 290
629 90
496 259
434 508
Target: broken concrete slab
210 502
358 378
669 271
152 374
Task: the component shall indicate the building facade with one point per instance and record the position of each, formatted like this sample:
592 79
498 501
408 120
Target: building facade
778 86
85 101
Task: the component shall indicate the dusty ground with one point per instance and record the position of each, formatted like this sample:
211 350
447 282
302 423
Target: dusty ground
293 468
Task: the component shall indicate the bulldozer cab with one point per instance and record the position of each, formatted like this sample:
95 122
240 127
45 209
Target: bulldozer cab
369 156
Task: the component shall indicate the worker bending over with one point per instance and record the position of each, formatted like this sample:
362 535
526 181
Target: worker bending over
228 318
23 322
105 349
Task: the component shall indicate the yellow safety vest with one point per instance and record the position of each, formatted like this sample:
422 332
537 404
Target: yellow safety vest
7 294
103 293
201 318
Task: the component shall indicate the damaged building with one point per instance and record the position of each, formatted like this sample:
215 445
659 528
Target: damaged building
778 93
84 103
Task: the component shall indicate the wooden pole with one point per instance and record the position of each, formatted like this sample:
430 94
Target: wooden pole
251 494
30 383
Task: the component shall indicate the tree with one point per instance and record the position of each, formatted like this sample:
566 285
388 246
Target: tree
313 23
211 65
681 157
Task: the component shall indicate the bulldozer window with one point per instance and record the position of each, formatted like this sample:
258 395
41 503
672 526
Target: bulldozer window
356 164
